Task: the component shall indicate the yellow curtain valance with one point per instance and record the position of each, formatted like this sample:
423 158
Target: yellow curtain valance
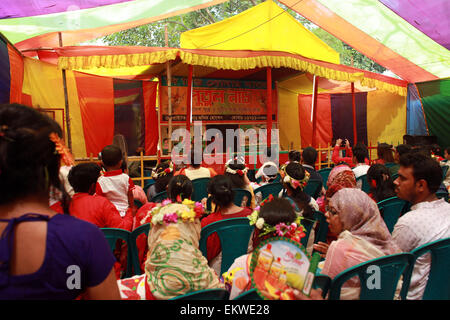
225 62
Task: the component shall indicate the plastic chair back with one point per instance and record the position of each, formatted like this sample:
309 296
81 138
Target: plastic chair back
438 285
391 209
248 295
313 188
239 195
444 172
273 188
200 186
364 183
322 281
207 294
308 224
114 234
324 173
159 197
322 230
234 235
442 194
144 229
391 268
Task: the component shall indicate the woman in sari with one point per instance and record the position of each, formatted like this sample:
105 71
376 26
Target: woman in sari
362 235
174 264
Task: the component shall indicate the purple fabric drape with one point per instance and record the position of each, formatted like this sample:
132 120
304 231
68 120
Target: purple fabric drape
26 8
430 16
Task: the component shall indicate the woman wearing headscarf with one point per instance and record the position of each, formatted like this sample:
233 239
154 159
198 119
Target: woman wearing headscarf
174 264
340 177
362 235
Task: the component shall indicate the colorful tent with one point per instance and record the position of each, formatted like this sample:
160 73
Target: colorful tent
410 38
264 27
36 24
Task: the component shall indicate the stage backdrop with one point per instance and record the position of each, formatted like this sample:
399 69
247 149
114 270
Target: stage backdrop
380 117
218 101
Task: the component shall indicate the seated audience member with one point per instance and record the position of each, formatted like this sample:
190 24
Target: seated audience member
93 208
360 155
295 180
162 175
114 184
195 169
272 213
429 218
309 157
237 171
174 264
222 196
385 154
39 246
362 235
341 176
294 155
268 174
381 184
399 150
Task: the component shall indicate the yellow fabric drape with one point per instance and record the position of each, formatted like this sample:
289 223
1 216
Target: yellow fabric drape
43 82
386 117
289 129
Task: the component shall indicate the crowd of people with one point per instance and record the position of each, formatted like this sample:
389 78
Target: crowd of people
71 259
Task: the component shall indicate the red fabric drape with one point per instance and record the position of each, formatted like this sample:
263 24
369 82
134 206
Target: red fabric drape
323 125
16 72
151 118
96 96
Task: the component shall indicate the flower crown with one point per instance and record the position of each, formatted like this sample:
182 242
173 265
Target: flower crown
294 231
238 171
162 173
294 183
155 216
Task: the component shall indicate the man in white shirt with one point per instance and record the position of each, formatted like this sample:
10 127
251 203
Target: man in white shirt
360 154
429 219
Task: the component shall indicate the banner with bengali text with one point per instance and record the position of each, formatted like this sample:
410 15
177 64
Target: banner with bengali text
217 100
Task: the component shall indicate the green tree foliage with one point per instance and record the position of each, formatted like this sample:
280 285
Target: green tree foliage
153 35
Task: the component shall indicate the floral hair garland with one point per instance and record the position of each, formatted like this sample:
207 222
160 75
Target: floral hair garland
238 171
61 148
195 210
162 173
294 182
294 231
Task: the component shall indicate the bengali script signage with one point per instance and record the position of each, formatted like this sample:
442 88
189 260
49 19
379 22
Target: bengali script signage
215 100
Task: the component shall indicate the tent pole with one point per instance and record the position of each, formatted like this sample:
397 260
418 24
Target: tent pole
160 149
314 109
269 107
355 138
189 98
169 93
66 100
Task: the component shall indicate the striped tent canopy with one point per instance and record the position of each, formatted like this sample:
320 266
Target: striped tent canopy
37 23
410 38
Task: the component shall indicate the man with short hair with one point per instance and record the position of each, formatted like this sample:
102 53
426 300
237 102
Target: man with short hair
360 154
309 157
429 219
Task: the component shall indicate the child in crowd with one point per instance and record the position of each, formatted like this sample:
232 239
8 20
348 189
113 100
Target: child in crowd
115 185
237 171
93 208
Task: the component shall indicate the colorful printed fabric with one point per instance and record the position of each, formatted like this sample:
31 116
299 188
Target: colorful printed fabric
175 265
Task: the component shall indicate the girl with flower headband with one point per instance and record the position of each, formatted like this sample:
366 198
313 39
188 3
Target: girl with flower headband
275 218
174 264
161 175
237 171
295 179
381 184
37 244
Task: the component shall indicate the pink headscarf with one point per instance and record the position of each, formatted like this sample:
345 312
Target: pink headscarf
359 214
